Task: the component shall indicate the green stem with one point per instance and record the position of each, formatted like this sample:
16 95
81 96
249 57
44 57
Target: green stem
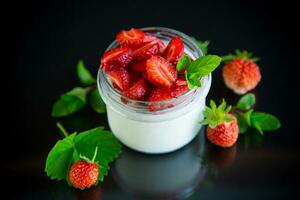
95 154
62 129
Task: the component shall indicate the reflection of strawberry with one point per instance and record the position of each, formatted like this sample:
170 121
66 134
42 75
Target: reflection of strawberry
222 129
222 157
83 174
160 72
138 90
94 193
241 74
119 57
119 77
174 50
131 38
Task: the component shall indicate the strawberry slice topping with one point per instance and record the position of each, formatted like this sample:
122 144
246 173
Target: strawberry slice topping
120 56
180 82
146 51
131 38
149 38
179 90
174 50
138 90
160 94
120 78
139 66
160 72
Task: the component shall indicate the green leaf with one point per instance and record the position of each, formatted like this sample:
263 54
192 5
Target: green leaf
204 65
243 126
203 45
264 121
60 157
183 63
192 81
246 102
96 101
84 74
108 147
70 102
247 116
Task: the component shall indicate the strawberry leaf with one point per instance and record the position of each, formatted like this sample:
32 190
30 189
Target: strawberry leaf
60 157
264 121
70 102
96 101
84 75
246 102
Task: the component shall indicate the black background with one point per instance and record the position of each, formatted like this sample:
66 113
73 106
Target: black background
45 39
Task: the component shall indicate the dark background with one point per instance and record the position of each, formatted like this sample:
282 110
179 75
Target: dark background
45 39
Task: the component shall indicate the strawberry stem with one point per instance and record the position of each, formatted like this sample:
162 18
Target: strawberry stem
95 154
62 129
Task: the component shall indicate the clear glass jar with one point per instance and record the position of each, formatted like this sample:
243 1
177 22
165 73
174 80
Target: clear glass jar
162 131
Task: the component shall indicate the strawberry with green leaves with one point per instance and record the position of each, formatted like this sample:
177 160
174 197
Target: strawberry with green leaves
84 172
241 74
222 129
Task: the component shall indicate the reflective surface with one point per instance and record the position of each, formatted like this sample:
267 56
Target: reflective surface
50 37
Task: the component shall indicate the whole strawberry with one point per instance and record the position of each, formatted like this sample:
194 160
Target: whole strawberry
84 173
241 74
222 129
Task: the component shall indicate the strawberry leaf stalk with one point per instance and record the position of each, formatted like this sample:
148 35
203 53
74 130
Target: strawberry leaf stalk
222 129
244 55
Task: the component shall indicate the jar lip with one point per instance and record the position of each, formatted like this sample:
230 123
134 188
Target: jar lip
148 29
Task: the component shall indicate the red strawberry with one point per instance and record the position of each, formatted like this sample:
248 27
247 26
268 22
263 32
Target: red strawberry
120 56
139 66
119 77
174 50
146 51
180 82
134 76
131 38
138 90
160 72
84 173
241 73
160 94
179 90
222 129
149 38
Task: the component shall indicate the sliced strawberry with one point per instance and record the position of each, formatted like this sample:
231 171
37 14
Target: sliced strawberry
160 94
179 90
131 38
146 51
137 90
134 75
180 82
139 66
174 50
160 72
120 78
120 56
149 38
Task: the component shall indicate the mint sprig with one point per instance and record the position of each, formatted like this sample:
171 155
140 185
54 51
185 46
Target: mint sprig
74 146
198 69
75 99
203 45
248 118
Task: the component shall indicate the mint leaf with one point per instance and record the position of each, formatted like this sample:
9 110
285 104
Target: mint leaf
205 65
183 63
60 157
264 121
70 102
108 147
246 102
203 45
84 75
96 101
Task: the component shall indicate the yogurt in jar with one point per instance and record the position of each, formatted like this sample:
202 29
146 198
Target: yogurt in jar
162 131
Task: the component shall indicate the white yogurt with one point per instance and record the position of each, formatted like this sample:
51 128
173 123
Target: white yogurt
159 132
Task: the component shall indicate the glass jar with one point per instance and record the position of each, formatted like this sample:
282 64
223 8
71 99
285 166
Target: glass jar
164 130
